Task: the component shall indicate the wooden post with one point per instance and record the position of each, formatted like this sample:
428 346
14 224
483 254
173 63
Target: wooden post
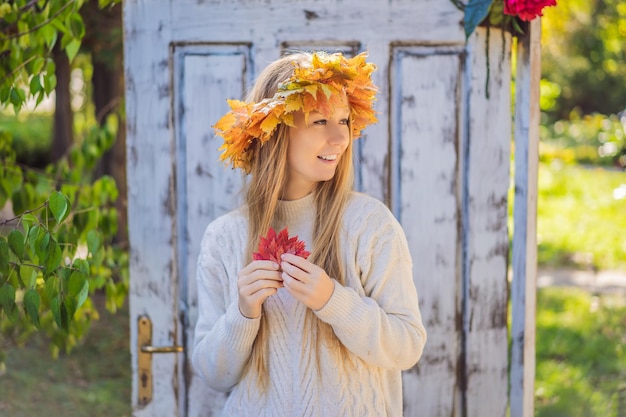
523 290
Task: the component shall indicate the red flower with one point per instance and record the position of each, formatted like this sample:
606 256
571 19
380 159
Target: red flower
526 9
274 245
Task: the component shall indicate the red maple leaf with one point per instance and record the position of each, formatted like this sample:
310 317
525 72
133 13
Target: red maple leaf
272 246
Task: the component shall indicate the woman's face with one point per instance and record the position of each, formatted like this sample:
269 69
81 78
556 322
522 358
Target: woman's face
315 148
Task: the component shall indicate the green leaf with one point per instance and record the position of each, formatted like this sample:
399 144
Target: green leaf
76 25
4 258
475 12
52 288
30 219
79 288
5 93
38 65
59 312
516 25
59 206
21 201
16 243
41 245
40 97
35 85
64 275
496 13
15 97
55 256
49 82
70 307
7 297
13 314
72 49
29 274
32 301
93 241
32 236
82 265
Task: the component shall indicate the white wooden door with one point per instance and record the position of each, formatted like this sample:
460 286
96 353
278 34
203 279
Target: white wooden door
439 157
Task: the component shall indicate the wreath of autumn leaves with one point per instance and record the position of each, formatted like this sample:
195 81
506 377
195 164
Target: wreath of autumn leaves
316 87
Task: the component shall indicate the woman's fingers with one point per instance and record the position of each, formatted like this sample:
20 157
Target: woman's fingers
307 282
261 284
255 266
257 281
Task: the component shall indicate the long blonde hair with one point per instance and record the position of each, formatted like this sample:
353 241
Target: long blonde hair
267 179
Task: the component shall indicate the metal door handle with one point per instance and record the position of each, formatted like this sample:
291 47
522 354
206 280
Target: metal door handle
144 359
162 349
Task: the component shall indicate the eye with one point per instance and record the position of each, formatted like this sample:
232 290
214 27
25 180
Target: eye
321 122
344 121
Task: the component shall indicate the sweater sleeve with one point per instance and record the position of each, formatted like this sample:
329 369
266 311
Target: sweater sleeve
379 322
223 336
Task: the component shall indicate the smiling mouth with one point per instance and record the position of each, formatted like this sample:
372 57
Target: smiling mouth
328 157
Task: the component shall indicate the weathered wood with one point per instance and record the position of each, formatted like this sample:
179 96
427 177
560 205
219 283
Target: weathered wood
425 114
486 176
151 204
438 157
205 76
523 289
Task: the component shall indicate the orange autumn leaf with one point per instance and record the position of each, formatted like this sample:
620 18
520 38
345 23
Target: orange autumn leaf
272 246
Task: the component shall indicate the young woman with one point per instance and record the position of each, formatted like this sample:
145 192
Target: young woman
330 334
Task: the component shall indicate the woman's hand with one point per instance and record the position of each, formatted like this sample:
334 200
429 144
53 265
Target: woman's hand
256 282
307 282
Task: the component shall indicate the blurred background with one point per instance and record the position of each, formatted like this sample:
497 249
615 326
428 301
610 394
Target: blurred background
581 304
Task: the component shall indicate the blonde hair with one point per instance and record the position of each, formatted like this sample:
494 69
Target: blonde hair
265 186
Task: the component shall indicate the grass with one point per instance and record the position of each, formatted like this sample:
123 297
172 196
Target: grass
92 381
581 354
580 223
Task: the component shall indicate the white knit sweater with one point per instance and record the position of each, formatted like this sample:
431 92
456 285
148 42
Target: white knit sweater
375 315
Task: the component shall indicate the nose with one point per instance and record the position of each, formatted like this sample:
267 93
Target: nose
338 134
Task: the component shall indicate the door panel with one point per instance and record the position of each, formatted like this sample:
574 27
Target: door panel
205 76
432 157
425 87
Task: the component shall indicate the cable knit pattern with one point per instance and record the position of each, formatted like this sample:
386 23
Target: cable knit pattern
375 315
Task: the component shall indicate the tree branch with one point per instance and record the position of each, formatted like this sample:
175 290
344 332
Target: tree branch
4 222
42 24
16 69
16 264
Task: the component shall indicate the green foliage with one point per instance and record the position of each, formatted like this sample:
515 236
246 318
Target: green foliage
32 137
57 251
584 56
593 139
30 29
580 217
581 354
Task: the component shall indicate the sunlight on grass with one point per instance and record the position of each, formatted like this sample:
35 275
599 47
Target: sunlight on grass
580 223
581 354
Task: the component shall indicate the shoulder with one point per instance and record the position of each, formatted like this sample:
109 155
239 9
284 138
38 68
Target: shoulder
372 233
364 210
226 231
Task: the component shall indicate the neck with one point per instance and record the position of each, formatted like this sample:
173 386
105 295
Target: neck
296 191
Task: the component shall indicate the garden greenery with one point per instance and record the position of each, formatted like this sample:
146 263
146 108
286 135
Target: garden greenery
55 249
